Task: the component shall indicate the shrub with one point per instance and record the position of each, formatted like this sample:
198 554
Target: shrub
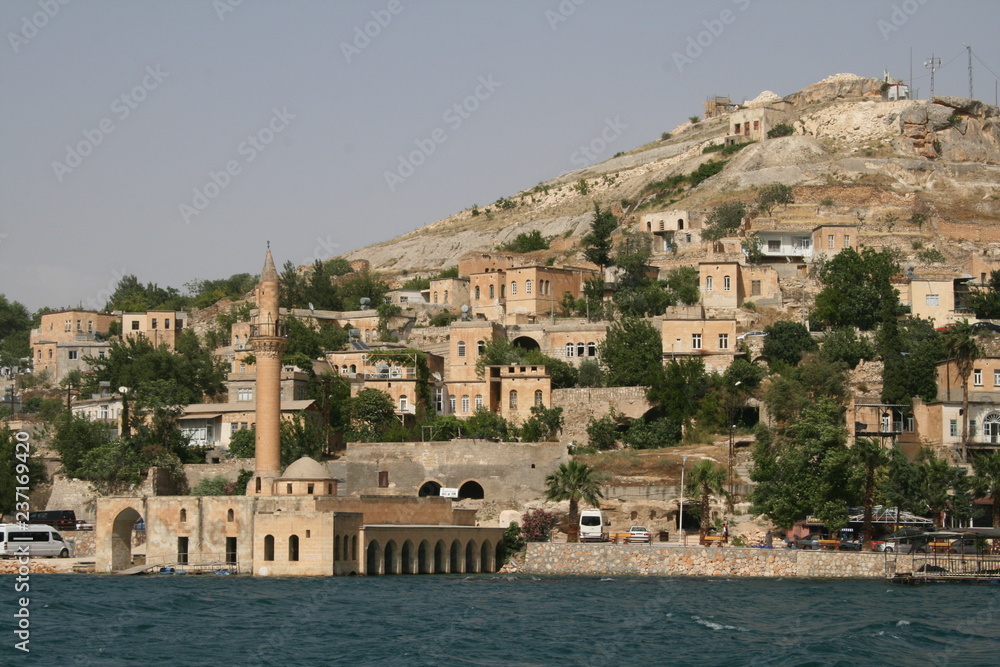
513 540
706 170
694 119
581 186
537 526
664 136
931 256
780 130
527 242
443 319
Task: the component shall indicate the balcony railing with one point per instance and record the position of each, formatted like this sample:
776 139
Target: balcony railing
269 330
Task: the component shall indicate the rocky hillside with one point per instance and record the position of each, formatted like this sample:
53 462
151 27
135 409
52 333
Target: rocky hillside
851 156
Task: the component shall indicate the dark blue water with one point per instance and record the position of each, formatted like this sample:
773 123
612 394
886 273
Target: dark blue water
495 620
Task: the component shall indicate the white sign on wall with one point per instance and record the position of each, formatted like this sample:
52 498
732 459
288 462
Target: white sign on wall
449 493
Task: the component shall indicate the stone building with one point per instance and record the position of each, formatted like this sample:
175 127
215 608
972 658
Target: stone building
752 124
65 338
449 292
159 327
688 333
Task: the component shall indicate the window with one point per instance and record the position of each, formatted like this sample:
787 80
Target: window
451 403
166 322
829 241
847 240
480 347
756 125
726 283
479 402
404 403
527 287
774 245
135 325
100 354
570 350
754 288
708 283
182 550
996 378
591 349
435 299
723 341
977 377
465 403
932 299
910 424
493 292
90 326
513 288
268 546
184 515
461 348
972 428
72 355
244 394
696 341
513 399
538 397
293 547
439 399
230 516
154 323
579 349
477 292
446 296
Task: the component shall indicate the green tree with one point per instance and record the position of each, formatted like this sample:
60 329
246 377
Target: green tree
844 345
683 282
794 388
910 350
872 462
17 465
987 481
940 485
773 195
706 478
372 412
242 444
526 242
575 482
211 486
603 433
985 300
490 425
786 342
857 291
589 374
15 330
724 220
678 389
338 266
632 353
301 436
597 243
961 348
652 433
73 437
753 248
368 284
544 424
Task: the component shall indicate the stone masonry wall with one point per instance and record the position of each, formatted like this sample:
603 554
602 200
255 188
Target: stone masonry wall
660 560
580 404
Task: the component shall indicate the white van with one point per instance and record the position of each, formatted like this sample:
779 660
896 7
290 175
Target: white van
40 540
592 526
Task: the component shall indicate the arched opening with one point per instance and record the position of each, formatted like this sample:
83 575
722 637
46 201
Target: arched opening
406 560
184 515
991 428
354 547
440 558
336 547
293 548
526 343
269 547
425 562
230 516
457 564
471 557
471 490
121 538
486 557
500 554
390 562
680 223
373 559
429 489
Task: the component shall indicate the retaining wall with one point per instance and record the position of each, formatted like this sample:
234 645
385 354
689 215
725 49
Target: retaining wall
662 560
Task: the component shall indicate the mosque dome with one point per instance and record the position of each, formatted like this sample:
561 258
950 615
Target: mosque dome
306 468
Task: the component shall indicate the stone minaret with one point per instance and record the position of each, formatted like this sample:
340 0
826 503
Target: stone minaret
267 339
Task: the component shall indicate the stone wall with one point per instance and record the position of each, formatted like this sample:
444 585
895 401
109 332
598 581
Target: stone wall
230 469
580 404
656 559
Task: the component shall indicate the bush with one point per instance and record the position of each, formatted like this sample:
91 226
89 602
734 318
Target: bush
603 432
931 256
589 374
527 242
513 540
706 170
780 130
443 319
537 526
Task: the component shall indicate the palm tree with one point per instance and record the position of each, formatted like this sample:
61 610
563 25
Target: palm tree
872 463
987 480
574 481
961 347
706 478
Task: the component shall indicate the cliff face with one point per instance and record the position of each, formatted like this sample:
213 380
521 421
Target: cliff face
940 156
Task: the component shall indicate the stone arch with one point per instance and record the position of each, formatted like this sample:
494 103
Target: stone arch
354 547
526 343
471 556
336 548
390 558
440 558
425 558
429 488
499 555
471 490
230 515
121 538
373 559
486 555
407 559
269 547
457 562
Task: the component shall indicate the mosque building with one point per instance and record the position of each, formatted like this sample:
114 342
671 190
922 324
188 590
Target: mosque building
293 522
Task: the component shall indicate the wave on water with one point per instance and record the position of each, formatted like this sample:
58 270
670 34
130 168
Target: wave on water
717 626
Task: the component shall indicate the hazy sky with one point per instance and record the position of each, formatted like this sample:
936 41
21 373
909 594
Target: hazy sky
171 139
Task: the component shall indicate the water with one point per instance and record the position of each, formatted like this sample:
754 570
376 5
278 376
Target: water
497 620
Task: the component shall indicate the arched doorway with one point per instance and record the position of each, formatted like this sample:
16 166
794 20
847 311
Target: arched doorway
526 343
406 559
440 558
429 488
373 559
425 563
121 538
486 557
390 560
457 564
991 428
471 490
471 556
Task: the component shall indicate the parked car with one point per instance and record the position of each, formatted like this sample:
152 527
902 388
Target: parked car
58 519
638 535
37 540
810 541
916 544
966 545
848 544
985 326
751 333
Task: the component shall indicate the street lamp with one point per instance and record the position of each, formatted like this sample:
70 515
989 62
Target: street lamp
680 513
126 430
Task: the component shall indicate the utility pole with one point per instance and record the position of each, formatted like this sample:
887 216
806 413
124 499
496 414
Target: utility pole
970 69
680 513
933 65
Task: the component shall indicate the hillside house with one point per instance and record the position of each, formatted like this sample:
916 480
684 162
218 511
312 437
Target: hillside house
828 240
65 338
671 230
159 327
752 124
449 292
686 332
